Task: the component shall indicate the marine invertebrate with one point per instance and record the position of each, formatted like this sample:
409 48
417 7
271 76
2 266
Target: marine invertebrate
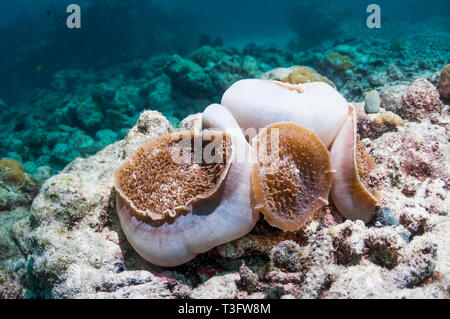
377 124
14 171
321 109
340 62
372 101
258 103
172 211
297 74
387 119
157 186
11 286
207 55
353 196
293 182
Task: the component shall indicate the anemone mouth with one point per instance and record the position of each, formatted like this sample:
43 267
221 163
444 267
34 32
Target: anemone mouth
166 176
289 86
293 175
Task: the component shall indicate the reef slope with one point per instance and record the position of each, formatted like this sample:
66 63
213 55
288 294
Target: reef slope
74 247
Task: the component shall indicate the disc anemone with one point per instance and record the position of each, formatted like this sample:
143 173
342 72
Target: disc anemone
294 181
170 211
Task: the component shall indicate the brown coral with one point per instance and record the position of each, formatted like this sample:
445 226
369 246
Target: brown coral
375 127
340 62
388 119
297 74
15 173
157 186
294 181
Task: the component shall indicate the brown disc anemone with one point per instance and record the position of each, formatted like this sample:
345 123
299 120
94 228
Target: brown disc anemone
293 176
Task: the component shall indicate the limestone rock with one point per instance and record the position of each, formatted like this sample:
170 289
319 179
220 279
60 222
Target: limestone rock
443 83
72 238
219 287
420 101
390 96
192 123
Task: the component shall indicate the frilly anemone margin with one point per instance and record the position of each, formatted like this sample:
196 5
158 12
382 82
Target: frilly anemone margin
204 214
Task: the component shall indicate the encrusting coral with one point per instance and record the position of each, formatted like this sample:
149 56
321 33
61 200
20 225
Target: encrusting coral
72 241
296 75
14 170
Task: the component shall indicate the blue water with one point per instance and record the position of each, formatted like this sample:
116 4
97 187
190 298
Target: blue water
53 78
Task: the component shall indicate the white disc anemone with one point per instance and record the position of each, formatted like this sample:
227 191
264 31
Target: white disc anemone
171 211
259 103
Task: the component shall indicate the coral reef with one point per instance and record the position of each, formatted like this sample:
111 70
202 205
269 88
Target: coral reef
286 199
99 106
183 206
60 237
375 125
74 245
